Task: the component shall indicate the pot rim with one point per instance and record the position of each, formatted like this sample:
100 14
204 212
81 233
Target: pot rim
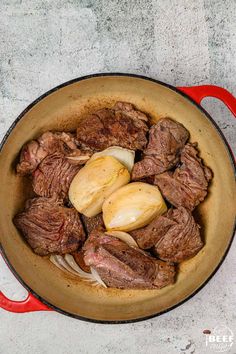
231 157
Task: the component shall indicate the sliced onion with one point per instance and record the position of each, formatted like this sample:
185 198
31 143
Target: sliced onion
79 158
72 263
123 236
60 262
68 264
55 262
97 277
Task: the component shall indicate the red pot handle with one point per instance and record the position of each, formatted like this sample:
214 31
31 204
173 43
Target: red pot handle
28 305
197 93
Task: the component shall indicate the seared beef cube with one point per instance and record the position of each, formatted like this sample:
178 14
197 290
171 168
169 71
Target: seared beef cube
182 240
57 141
166 140
187 185
125 267
174 235
147 237
49 227
94 223
129 109
122 125
30 157
54 176
48 143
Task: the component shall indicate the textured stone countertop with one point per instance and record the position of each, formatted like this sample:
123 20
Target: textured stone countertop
45 43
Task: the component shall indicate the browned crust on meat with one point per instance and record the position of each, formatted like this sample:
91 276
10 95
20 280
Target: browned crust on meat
125 267
54 176
166 140
123 126
187 185
49 227
175 235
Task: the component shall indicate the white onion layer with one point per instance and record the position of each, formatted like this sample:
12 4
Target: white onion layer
67 263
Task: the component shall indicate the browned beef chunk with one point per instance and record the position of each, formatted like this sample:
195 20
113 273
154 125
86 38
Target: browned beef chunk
128 109
166 140
31 156
96 222
147 237
50 227
182 240
122 125
54 176
174 235
48 143
57 141
125 267
149 179
187 185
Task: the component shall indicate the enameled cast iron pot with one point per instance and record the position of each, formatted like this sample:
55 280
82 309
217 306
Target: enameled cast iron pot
61 109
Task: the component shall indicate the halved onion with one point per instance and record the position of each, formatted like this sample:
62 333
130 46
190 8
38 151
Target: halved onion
132 206
67 263
95 182
123 236
124 156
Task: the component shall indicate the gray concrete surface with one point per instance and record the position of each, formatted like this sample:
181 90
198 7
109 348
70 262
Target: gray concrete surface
44 43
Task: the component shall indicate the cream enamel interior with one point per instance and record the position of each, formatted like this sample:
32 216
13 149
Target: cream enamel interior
62 110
